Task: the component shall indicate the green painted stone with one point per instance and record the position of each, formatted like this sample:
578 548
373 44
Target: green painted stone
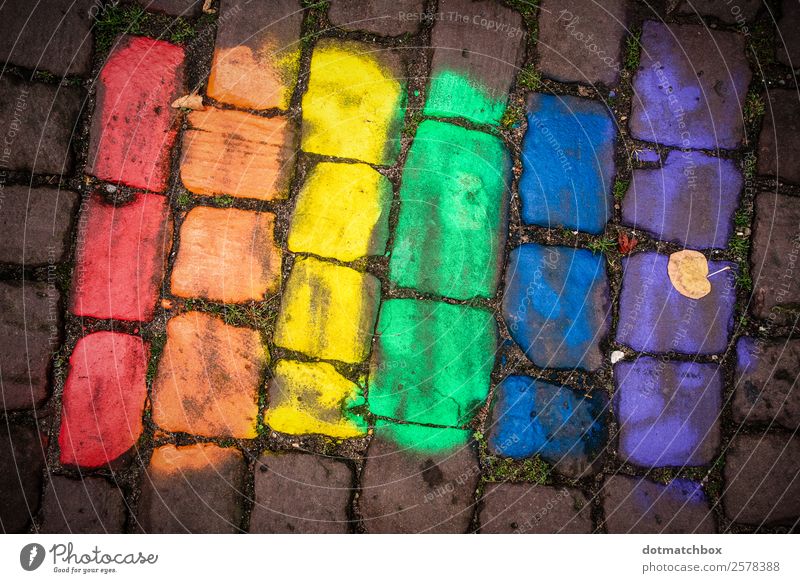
456 95
423 438
453 208
431 362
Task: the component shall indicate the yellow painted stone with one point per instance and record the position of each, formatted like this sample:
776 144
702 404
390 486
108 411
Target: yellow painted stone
328 311
355 102
311 397
342 211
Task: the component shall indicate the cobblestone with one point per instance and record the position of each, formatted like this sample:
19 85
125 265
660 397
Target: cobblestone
478 47
580 42
776 244
133 128
301 493
311 397
766 373
455 195
228 152
37 122
257 53
30 327
328 311
120 258
637 505
788 50
690 201
564 426
567 164
185 8
181 480
532 509
208 378
556 305
762 480
383 17
676 106
104 399
85 506
227 255
654 317
446 386
418 480
355 102
668 412
35 225
731 13
779 142
55 37
22 459
342 212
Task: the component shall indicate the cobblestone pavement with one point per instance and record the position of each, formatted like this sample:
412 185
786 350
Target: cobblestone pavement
404 269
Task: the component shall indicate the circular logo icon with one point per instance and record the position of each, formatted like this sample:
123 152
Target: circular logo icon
31 556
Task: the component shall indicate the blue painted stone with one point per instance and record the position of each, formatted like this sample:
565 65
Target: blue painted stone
556 305
563 425
654 317
690 201
690 87
567 163
668 411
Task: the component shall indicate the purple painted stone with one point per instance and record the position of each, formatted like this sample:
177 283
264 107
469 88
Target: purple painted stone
654 317
690 87
668 411
647 155
691 200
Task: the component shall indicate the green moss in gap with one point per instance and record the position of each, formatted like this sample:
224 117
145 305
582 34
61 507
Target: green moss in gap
529 78
533 470
633 51
620 188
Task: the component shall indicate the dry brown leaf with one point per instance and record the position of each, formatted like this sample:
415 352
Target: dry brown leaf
191 101
688 272
207 7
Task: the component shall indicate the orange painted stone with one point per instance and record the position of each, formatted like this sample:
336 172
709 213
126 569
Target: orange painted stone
208 378
103 399
227 152
227 255
257 53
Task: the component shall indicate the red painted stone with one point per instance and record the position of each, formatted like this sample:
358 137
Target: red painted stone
133 128
104 399
121 258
